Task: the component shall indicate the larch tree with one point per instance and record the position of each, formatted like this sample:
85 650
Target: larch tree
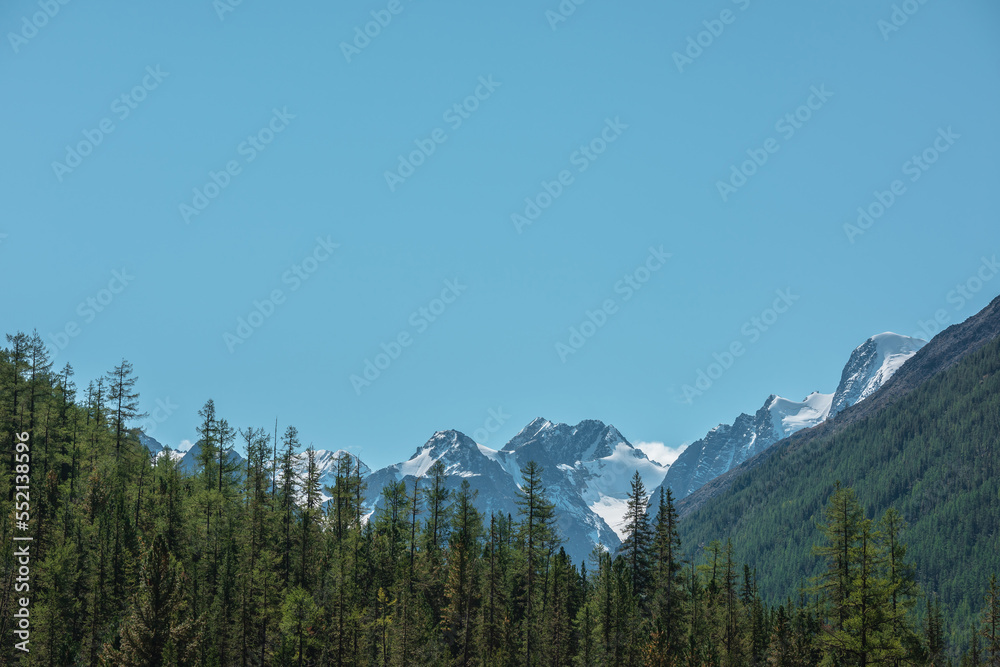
841 530
124 401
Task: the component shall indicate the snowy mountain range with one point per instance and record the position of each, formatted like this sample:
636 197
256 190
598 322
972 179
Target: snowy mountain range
187 459
587 468
870 366
585 471
325 461
727 445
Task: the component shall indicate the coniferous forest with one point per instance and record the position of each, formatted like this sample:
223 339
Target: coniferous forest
134 562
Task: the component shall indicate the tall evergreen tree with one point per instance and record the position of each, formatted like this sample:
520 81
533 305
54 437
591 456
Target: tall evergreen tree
158 629
934 634
286 498
842 527
668 600
460 589
991 624
638 543
537 535
124 401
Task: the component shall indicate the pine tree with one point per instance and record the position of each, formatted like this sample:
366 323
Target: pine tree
557 638
286 498
805 630
867 636
753 607
537 535
57 608
158 625
346 538
460 591
841 530
732 634
17 357
780 651
437 506
496 596
699 642
255 548
310 512
973 657
638 543
39 386
299 616
585 625
409 616
901 579
208 459
934 634
124 401
668 601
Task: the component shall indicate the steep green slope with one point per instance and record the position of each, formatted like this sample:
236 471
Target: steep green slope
934 455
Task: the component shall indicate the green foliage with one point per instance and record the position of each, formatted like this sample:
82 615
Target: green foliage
136 562
934 456
158 626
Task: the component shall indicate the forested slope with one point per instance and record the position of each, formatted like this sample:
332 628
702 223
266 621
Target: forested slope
933 454
127 560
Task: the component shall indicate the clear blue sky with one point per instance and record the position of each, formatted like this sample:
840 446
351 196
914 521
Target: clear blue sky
884 96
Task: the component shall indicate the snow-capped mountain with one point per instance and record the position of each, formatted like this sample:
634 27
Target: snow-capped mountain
587 469
327 464
871 364
187 460
787 416
726 446
151 444
586 472
463 460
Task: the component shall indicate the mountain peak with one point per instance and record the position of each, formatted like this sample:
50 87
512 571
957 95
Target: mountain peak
550 443
871 365
443 441
150 443
451 447
535 426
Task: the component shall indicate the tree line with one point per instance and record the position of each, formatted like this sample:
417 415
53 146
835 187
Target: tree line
932 456
138 562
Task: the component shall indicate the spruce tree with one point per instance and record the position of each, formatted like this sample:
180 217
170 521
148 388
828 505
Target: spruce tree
780 651
638 543
668 601
537 537
286 498
460 589
158 626
934 634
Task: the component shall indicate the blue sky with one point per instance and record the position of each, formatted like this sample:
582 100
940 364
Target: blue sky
596 117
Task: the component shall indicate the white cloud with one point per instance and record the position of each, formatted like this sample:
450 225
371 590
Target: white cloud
186 445
659 452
